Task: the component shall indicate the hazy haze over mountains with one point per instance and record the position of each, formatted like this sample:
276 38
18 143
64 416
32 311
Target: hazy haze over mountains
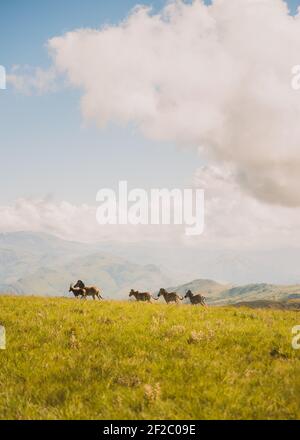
41 264
244 266
219 294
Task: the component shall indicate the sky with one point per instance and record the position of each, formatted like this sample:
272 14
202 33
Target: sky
181 96
118 152
43 135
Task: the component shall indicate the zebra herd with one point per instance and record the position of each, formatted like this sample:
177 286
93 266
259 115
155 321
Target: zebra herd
80 290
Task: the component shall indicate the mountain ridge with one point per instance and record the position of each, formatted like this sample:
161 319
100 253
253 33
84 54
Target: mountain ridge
41 264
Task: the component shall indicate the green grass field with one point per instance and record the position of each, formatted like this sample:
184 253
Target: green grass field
74 359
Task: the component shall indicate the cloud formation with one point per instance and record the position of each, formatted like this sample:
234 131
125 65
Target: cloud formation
232 220
237 220
77 222
217 78
28 79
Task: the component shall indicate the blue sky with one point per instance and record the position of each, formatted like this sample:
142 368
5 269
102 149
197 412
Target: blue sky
42 137
49 155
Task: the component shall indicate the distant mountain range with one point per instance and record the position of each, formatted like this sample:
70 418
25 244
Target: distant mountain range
219 294
237 265
40 264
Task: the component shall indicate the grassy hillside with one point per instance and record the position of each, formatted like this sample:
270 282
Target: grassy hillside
267 304
84 359
252 292
222 294
211 289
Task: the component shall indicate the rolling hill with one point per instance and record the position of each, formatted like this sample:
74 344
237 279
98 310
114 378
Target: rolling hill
69 359
266 304
39 264
44 265
221 294
115 276
211 289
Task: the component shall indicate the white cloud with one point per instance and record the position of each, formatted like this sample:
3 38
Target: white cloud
232 220
237 220
62 219
28 80
218 77
77 222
